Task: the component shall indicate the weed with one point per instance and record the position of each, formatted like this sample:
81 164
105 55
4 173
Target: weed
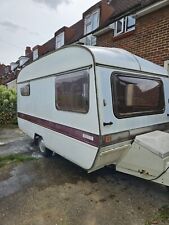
164 213
162 216
14 158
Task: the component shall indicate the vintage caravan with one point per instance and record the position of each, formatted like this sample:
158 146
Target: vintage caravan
98 106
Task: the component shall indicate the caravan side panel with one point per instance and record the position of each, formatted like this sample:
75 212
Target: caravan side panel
73 135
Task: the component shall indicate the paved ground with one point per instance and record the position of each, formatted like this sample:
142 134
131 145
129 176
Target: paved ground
14 141
56 192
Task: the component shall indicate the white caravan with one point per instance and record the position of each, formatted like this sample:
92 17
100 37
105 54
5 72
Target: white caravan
98 106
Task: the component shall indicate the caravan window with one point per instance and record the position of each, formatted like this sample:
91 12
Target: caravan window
25 90
72 92
133 95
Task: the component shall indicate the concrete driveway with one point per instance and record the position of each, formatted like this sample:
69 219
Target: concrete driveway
56 192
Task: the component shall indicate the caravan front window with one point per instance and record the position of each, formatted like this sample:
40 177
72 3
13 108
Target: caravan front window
136 96
72 92
25 90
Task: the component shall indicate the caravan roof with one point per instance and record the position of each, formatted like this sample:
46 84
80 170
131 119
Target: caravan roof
77 56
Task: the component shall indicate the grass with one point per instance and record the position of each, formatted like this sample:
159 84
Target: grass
9 126
162 216
14 158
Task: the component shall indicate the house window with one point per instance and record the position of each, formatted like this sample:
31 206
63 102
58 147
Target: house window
119 27
92 22
133 96
95 20
23 60
130 23
25 90
90 40
35 54
88 25
72 92
60 40
124 25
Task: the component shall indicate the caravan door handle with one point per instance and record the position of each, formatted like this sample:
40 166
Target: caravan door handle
107 124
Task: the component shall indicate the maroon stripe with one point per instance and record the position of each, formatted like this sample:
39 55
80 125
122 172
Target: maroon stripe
68 131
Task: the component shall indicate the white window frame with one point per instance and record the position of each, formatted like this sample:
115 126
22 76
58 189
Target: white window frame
23 60
126 23
166 65
97 12
116 33
93 40
90 40
35 54
13 66
89 21
60 40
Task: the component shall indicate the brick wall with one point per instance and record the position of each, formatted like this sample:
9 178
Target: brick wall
150 39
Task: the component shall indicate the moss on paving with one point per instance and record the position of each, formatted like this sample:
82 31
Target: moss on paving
161 217
14 158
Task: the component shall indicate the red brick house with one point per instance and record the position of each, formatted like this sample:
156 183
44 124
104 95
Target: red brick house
80 32
2 72
139 26
5 71
95 18
63 36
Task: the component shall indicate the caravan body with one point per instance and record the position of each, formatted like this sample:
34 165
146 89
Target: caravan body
92 105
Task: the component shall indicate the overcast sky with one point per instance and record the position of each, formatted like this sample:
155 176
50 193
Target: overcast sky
31 22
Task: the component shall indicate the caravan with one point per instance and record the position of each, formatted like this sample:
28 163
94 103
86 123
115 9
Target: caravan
98 106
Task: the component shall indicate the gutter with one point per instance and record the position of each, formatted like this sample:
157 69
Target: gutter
152 8
104 30
138 14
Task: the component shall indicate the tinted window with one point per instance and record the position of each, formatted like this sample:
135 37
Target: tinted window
134 96
119 26
25 90
72 92
130 22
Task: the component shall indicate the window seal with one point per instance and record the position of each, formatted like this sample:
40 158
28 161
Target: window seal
21 90
129 28
135 114
72 111
122 30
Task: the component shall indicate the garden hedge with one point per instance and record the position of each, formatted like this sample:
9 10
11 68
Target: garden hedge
8 106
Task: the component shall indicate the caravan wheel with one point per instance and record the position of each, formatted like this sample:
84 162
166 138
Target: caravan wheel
44 151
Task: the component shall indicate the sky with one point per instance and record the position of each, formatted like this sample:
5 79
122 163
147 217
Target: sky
32 22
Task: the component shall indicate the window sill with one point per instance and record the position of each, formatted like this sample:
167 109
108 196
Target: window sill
123 35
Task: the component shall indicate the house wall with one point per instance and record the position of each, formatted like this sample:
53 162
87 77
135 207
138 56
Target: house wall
12 84
47 47
149 40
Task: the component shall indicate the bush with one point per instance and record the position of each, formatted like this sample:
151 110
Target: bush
8 106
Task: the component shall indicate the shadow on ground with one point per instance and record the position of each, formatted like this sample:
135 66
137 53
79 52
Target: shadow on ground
55 191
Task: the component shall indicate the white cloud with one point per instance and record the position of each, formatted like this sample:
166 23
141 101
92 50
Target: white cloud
52 3
11 26
28 23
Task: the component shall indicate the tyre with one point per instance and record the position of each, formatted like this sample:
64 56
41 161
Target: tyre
43 150
167 187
